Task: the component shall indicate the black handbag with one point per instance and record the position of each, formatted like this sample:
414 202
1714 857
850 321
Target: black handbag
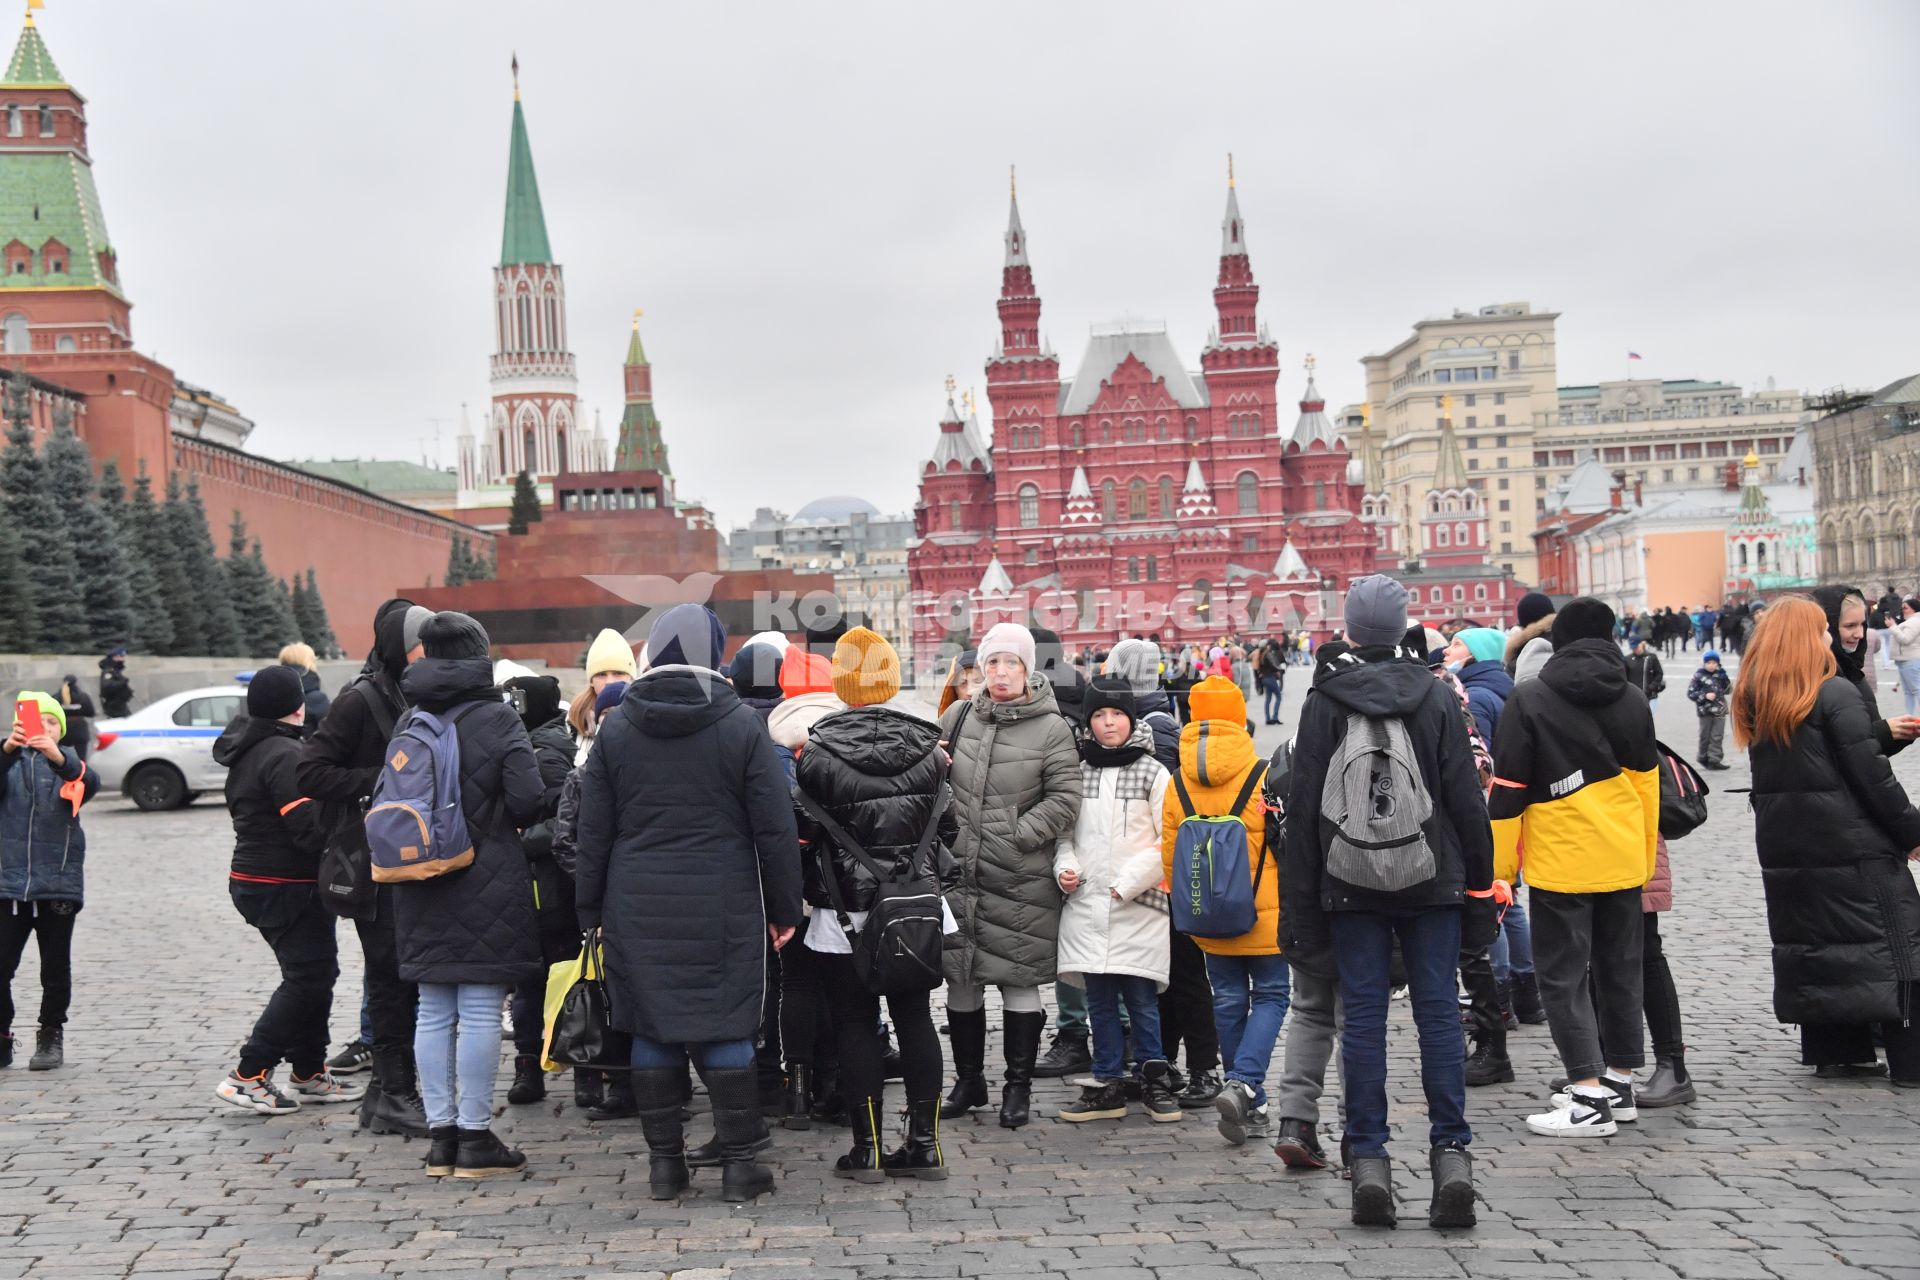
1683 794
583 1028
898 950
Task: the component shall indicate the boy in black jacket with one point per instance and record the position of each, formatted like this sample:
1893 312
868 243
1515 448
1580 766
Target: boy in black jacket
277 841
1433 917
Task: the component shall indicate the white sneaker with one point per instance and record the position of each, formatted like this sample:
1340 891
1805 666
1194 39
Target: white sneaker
323 1089
1583 1117
255 1093
1623 1106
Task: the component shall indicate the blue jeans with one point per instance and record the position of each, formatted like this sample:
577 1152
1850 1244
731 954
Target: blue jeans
1073 1007
366 1015
1909 669
1270 692
1512 952
1250 997
1430 948
711 1055
1105 991
472 1010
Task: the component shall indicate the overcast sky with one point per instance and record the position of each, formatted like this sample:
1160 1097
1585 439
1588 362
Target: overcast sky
808 199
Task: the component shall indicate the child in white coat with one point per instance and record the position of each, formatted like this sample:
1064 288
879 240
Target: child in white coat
1113 929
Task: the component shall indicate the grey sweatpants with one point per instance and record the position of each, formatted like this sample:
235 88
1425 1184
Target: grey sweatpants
1713 737
1313 1025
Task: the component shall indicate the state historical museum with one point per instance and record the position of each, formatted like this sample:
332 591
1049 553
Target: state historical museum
1136 497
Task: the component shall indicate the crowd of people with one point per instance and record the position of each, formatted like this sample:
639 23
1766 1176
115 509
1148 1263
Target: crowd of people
768 856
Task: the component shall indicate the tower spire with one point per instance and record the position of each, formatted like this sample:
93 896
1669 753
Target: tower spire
1236 298
1449 471
1016 234
1019 302
640 447
524 239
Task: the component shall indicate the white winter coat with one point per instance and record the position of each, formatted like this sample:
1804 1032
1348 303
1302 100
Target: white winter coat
1906 639
1115 847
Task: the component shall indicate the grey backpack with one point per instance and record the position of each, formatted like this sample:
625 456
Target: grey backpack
1377 801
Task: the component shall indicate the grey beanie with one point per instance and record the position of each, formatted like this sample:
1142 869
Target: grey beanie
1138 663
416 618
1376 611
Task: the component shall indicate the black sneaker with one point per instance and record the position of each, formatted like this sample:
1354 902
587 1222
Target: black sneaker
1202 1088
352 1060
1097 1102
483 1155
1235 1105
1068 1055
1452 1205
1157 1088
1298 1146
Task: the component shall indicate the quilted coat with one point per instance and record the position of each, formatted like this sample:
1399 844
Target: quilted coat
476 925
1016 782
1657 894
686 851
43 851
1114 848
1833 828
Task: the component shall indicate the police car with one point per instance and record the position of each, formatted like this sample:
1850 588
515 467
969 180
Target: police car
161 756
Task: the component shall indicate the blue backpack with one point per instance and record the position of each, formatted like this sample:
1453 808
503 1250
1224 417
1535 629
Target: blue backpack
1214 891
415 827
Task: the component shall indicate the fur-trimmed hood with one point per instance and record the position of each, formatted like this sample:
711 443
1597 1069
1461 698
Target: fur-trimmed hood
1517 640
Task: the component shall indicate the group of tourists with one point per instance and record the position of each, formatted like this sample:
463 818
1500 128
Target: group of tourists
760 852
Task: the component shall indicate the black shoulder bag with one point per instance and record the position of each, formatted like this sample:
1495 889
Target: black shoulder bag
346 865
898 950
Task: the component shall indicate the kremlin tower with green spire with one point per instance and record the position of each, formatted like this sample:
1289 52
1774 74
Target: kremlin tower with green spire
640 447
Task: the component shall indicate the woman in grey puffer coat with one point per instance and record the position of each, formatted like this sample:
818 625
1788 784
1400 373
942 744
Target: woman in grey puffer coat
1016 789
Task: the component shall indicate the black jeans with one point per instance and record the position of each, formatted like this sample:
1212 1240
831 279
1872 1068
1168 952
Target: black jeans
856 1011
1827 1044
1186 1007
390 1000
293 1029
1587 955
52 923
530 1017
806 1027
1662 999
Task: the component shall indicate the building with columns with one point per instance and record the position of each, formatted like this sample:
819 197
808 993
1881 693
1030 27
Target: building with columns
1866 461
1136 495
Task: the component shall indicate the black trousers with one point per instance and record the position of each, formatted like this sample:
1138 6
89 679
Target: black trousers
529 1017
1827 1044
1186 1007
1662 999
390 1000
1483 993
293 1028
1587 956
807 1037
52 924
766 1051
856 1011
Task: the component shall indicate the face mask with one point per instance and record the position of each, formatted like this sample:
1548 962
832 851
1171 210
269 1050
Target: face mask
1455 667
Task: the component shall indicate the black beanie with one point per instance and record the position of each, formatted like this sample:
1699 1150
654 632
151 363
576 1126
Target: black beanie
1582 619
1108 691
755 672
454 635
539 699
1534 606
274 693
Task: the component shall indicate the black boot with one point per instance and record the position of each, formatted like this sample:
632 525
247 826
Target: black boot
969 1064
482 1155
1068 1055
619 1104
707 1154
1489 1063
49 1049
920 1157
393 1104
6 1051
656 1093
589 1087
862 1162
1373 1192
1452 1189
798 1111
1021 1032
737 1124
529 1081
1669 1085
444 1150
1526 1000
829 1104
1507 1019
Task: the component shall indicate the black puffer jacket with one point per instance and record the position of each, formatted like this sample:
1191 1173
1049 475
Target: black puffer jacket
476 925
552 883
1157 710
277 832
877 773
686 852
1852 663
317 702
1833 828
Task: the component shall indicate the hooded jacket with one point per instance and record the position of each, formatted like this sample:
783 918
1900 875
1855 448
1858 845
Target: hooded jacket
476 925
877 773
1579 781
1115 849
1852 664
1216 754
1016 784
687 851
316 700
1718 683
1517 641
43 851
116 691
1487 686
277 832
806 680
342 761
1833 828
1379 685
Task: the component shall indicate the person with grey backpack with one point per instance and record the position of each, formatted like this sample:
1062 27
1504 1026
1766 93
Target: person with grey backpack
1387 838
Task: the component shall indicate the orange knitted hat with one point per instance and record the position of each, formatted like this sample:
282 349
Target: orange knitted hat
866 670
803 673
1218 698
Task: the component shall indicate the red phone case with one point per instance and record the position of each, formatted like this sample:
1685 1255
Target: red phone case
30 719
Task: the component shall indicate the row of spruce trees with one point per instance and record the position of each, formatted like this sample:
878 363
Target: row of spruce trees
84 568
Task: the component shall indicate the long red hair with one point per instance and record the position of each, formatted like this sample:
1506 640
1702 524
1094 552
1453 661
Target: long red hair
1781 672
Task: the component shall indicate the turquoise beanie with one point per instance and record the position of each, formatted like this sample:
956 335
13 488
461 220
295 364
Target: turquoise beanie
1484 643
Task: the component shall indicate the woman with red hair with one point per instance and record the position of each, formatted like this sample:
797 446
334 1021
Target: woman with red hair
1834 831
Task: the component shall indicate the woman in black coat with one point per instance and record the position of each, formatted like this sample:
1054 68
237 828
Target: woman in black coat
689 862
880 776
1846 610
1834 831
469 936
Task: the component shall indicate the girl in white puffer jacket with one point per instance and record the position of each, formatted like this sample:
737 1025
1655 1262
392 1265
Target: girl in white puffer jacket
1113 928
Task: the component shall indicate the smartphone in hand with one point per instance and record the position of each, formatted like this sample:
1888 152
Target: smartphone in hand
27 714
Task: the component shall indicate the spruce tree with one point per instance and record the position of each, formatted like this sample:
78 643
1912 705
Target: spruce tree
317 631
281 624
97 549
483 568
205 612
19 483
58 610
149 629
251 593
18 626
526 504
302 616
457 562
158 578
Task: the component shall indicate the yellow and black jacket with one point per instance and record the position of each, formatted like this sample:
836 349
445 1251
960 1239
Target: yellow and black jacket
1578 788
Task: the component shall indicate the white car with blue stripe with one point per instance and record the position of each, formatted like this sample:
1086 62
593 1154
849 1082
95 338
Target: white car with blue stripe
161 756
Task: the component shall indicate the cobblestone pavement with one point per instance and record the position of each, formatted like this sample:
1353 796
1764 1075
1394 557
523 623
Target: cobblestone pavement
124 1163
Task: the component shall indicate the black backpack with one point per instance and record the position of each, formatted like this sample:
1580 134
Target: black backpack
346 866
1683 794
898 950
